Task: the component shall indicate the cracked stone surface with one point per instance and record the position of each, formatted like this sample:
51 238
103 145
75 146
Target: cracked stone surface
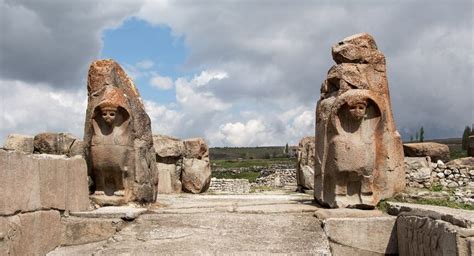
185 224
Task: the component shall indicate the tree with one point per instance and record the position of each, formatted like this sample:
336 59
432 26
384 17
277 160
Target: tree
287 149
416 136
465 137
422 134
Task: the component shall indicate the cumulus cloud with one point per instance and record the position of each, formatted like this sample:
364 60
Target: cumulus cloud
275 57
279 54
161 82
34 108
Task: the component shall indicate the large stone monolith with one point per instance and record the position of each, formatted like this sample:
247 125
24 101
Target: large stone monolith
359 154
305 165
117 138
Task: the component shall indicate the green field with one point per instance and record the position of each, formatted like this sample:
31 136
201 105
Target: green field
251 163
228 153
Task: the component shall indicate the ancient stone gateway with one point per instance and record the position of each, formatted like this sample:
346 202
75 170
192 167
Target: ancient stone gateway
117 137
359 155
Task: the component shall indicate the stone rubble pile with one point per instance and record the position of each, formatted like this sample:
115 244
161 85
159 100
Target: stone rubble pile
233 186
421 172
277 179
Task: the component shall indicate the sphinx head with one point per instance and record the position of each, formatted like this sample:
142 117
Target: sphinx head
357 108
108 112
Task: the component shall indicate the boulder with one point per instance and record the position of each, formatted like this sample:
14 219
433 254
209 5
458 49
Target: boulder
196 175
359 154
56 144
196 148
167 146
19 142
305 165
436 151
118 142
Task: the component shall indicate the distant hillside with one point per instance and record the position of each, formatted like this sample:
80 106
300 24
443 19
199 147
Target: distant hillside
227 153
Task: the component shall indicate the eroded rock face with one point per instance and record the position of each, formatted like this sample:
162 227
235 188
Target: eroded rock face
305 166
117 137
359 155
58 144
436 151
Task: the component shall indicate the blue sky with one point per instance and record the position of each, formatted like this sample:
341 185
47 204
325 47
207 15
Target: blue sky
137 41
237 73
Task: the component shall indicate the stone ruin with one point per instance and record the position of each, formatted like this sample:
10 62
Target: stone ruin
118 141
359 154
305 165
182 165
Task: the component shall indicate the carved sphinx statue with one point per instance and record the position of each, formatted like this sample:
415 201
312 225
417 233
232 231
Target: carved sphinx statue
359 156
118 140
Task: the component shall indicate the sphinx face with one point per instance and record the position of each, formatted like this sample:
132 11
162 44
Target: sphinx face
109 116
358 111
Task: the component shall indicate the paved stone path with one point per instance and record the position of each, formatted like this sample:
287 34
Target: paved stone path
254 224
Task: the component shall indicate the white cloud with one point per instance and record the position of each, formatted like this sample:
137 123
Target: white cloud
161 82
34 108
145 64
163 119
194 95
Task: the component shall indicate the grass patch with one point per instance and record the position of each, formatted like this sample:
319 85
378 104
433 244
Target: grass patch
457 153
446 203
248 175
436 188
383 204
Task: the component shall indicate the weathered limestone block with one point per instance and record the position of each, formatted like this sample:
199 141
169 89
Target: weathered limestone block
19 142
426 236
436 151
165 178
88 230
117 137
362 236
34 233
305 165
34 182
359 155
196 175
57 144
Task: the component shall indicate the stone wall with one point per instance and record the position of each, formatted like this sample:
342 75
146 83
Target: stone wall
233 186
36 189
421 172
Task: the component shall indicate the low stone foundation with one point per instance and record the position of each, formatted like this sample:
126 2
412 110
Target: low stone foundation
233 186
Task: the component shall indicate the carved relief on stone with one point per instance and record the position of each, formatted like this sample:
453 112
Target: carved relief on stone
359 157
117 137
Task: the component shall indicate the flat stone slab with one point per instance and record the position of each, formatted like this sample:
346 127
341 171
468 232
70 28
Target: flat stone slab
457 217
260 224
347 213
122 212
